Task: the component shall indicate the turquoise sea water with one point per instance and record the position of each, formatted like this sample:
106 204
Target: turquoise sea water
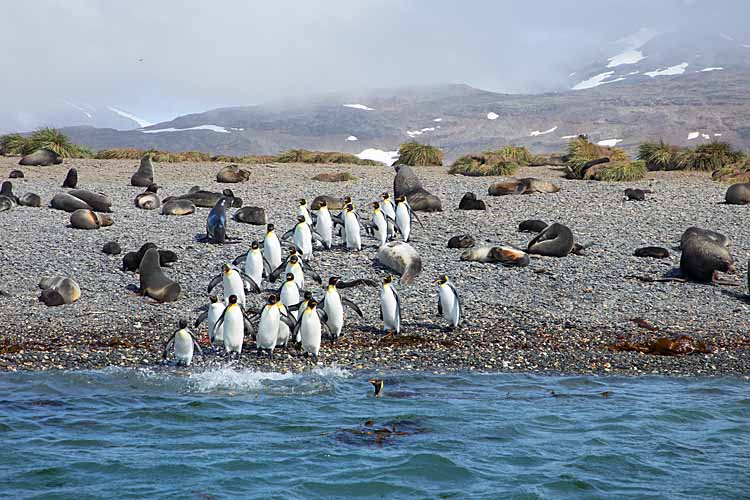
242 434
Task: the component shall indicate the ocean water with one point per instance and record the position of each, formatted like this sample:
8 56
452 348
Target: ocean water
242 434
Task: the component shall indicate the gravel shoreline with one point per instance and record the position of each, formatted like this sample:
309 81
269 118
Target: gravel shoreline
555 316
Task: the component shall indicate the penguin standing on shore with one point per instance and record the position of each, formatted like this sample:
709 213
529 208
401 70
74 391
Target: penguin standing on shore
302 237
309 328
232 320
296 266
272 247
271 316
289 294
184 344
404 214
333 303
352 228
233 280
212 315
390 307
389 210
379 224
449 306
304 211
255 263
324 225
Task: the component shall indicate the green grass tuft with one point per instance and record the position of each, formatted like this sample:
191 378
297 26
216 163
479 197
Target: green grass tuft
487 164
581 151
518 154
708 157
621 171
659 155
416 155
325 157
14 144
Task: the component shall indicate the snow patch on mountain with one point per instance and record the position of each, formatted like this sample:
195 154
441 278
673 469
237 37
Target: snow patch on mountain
352 138
706 70
536 133
79 108
628 56
387 157
670 71
610 143
140 121
359 106
492 116
597 80
212 128
693 135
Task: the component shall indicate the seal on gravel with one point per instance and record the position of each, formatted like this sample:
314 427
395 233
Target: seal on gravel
251 215
532 226
527 185
84 218
71 179
6 189
207 199
406 183
16 174
470 202
30 200
112 248
703 254
68 203
6 203
59 291
97 201
144 176
636 194
402 258
714 236
148 200
461 241
505 255
153 282
555 240
331 202
131 261
653 252
232 174
41 158
178 207
738 194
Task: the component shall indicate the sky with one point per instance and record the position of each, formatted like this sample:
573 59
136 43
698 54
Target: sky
159 59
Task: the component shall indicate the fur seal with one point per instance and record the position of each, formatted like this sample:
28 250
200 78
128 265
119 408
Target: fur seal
148 200
59 291
714 236
112 248
232 174
402 258
144 176
6 203
555 240
527 185
654 252
71 179
30 200
331 202
532 226
636 194
132 260
251 215
207 199
178 207
461 241
41 158
97 201
738 194
153 282
68 203
703 254
470 202
6 189
505 255
84 218
15 174
406 183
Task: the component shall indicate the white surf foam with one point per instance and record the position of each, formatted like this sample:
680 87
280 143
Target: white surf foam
233 380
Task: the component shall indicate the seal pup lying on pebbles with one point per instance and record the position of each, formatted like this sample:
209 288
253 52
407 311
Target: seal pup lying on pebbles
207 199
402 258
470 202
30 200
88 219
527 185
144 176
636 194
738 194
16 174
131 261
178 207
555 240
111 248
153 282
505 255
532 226
232 174
251 215
461 241
654 252
148 200
59 291
6 203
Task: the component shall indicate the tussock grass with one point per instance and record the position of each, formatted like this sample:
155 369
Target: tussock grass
486 164
416 155
518 154
581 151
305 156
621 171
43 138
736 172
659 155
14 144
708 157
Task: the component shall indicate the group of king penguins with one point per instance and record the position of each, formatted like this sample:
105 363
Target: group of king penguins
292 313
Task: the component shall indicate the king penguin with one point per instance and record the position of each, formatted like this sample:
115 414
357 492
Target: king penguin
184 344
449 305
390 307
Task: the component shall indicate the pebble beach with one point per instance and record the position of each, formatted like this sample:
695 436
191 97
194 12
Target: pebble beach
558 315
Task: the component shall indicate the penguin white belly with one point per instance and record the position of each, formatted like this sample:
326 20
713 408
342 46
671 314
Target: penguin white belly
233 286
388 210
391 314
403 221
214 313
302 210
234 330
310 332
449 304
268 328
254 266
290 295
283 335
272 251
324 228
353 239
183 348
303 240
299 275
381 228
335 312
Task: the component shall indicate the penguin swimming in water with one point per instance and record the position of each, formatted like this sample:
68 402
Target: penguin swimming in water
377 385
256 266
271 247
303 211
324 225
295 265
212 315
233 280
271 316
449 305
351 228
309 328
184 344
233 321
390 307
302 237
404 214
333 303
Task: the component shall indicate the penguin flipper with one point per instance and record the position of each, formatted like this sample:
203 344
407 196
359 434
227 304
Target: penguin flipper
201 319
287 235
414 214
455 292
239 259
315 276
214 281
266 267
195 343
168 346
220 321
277 272
440 306
251 284
351 305
356 282
287 318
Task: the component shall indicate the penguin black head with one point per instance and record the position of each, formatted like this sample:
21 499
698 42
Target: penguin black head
308 296
272 299
401 199
377 383
269 228
301 219
182 324
322 203
302 202
442 280
213 299
255 245
349 207
294 259
385 195
312 304
388 280
292 250
225 268
232 299
228 193
333 280
289 277
152 188
347 200
375 205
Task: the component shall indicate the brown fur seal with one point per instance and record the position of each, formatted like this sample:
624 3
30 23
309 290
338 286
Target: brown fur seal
555 241
470 202
653 252
59 291
251 215
507 256
131 261
636 194
6 203
88 219
68 203
97 201
71 179
148 200
153 282
207 199
402 258
41 158
461 241
16 174
144 176
528 185
331 202
112 248
30 200
532 226
6 189
406 183
178 207
738 194
232 174
714 236
703 254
